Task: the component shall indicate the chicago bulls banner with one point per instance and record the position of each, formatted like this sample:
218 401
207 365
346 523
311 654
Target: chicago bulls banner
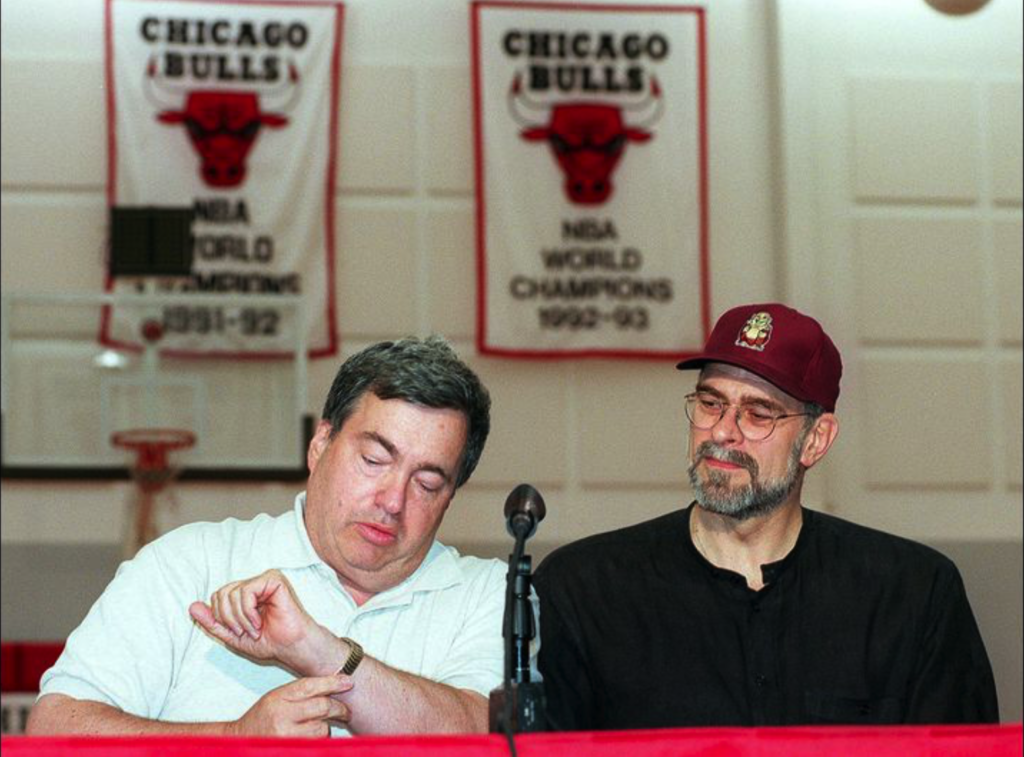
230 109
590 179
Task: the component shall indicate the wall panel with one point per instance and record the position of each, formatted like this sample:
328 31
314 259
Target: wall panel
914 139
53 120
919 280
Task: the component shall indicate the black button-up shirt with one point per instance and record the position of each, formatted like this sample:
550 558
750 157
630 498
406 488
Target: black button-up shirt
853 626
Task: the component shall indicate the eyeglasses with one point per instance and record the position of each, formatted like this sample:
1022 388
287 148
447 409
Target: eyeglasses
756 422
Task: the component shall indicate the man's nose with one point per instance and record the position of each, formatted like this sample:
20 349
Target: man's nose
391 494
727 430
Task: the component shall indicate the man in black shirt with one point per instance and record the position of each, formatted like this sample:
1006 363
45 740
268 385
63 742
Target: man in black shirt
745 608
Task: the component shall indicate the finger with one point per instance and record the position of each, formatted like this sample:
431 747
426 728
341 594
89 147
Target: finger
214 609
338 712
276 580
236 599
250 605
218 614
272 585
204 616
223 611
313 729
321 708
319 686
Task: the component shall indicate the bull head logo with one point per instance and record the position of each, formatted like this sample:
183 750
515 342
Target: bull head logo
587 138
222 124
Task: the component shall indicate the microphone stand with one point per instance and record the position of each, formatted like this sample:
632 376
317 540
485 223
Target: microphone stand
518 705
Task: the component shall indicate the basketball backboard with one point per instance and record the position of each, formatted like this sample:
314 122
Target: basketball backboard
78 368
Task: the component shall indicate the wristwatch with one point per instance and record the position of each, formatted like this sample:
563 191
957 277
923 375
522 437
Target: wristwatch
355 656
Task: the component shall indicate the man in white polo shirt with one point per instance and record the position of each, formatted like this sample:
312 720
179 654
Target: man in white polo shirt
344 615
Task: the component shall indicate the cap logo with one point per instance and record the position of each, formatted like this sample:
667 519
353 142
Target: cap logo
756 332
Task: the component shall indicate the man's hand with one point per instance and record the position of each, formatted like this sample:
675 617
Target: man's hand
262 618
299 708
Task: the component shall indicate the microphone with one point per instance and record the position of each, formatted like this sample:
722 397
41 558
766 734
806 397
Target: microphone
518 704
524 509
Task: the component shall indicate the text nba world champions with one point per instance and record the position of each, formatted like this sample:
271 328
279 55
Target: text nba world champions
590 282
236 249
589 97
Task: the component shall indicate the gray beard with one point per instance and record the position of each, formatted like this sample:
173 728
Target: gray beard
751 500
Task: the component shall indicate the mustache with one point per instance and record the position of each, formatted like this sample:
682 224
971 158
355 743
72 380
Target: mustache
715 452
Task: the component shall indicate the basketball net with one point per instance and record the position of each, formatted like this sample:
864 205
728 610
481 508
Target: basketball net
151 468
152 473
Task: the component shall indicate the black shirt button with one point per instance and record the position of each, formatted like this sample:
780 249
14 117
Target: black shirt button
760 681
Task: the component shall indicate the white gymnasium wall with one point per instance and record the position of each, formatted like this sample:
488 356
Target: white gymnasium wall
602 439
901 163
902 143
865 164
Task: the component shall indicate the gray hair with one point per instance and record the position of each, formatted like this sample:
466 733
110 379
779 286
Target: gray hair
814 411
424 372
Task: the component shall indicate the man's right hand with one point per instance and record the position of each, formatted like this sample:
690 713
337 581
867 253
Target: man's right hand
300 708
262 618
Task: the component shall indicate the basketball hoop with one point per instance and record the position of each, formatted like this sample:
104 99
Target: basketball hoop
152 472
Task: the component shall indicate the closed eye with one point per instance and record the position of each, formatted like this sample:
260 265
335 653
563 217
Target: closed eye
430 486
758 415
710 404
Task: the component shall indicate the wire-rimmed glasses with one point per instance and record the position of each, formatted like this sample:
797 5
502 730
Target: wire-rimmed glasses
756 421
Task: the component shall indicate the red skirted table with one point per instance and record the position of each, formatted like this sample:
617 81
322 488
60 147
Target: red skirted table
24 662
896 741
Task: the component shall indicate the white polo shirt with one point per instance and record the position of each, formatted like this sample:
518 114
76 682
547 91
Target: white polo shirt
139 650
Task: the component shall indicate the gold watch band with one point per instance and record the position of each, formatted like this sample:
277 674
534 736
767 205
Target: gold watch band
355 656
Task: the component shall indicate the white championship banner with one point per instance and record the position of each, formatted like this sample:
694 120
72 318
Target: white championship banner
230 109
591 179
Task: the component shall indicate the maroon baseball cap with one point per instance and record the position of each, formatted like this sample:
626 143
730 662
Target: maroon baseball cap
779 344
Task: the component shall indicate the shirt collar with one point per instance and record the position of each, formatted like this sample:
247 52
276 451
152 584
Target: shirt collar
440 569
771 572
292 547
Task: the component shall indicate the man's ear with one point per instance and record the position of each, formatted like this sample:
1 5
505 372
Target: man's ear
819 440
321 439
